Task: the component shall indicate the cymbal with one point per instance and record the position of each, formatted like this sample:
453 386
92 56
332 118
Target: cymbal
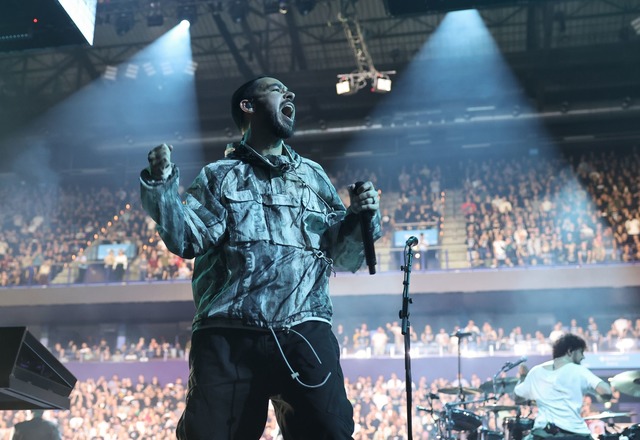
500 408
608 415
503 385
456 390
627 382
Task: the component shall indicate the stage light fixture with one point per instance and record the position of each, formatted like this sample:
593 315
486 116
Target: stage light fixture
399 8
110 73
238 10
381 84
305 6
190 68
276 6
155 20
124 22
149 69
155 16
132 71
187 12
167 68
343 86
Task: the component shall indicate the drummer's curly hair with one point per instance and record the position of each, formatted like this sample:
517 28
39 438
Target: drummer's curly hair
566 343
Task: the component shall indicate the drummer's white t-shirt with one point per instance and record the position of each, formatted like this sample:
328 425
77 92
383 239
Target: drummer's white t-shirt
558 394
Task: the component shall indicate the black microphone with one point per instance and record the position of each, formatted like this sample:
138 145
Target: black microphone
367 235
511 365
412 241
461 334
433 396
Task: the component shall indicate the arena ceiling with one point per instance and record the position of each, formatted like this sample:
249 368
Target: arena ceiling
576 61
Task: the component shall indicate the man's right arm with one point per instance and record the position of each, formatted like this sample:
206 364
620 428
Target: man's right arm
188 229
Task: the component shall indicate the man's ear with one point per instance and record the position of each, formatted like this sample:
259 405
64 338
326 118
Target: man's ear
246 106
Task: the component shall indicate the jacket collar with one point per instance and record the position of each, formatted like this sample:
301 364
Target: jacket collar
243 152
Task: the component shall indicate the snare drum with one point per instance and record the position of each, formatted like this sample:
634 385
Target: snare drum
464 420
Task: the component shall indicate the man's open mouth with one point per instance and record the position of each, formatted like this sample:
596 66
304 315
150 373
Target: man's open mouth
288 110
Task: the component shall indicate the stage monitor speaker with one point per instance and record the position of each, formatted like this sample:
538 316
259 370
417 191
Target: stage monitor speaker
30 376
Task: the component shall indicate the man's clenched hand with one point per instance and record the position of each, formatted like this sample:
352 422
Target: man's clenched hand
160 165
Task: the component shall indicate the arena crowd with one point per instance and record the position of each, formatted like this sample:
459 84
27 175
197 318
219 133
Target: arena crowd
518 212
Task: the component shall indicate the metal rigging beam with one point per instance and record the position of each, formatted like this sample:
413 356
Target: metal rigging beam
297 52
243 67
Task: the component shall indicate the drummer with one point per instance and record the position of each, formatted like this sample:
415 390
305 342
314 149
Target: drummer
558 387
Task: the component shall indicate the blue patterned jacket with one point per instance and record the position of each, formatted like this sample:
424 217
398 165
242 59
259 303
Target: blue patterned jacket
266 233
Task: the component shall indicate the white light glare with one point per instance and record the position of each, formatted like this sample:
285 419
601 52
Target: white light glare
110 73
190 68
149 69
343 86
132 71
382 84
185 24
166 67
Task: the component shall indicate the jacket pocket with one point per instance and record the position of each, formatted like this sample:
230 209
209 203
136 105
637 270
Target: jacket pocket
247 214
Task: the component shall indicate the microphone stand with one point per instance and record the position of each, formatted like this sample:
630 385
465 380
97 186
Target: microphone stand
404 316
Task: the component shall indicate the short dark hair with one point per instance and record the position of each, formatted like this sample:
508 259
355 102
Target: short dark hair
566 343
245 91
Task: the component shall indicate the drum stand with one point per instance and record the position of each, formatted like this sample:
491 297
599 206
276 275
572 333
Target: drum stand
448 419
460 394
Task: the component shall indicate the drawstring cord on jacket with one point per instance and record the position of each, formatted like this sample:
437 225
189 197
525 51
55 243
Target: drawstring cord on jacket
294 374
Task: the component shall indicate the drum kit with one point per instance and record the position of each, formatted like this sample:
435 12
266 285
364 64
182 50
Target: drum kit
477 419
475 416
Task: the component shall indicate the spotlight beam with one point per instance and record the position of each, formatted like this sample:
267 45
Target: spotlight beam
243 67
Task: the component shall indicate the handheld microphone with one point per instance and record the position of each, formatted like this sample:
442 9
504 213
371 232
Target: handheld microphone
511 365
412 241
367 235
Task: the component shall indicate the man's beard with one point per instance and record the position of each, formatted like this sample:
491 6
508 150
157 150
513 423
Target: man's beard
280 129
